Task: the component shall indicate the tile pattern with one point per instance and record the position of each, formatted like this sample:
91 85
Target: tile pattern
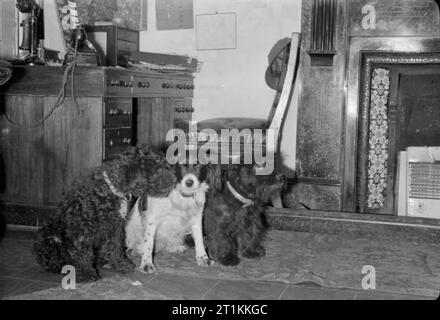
379 140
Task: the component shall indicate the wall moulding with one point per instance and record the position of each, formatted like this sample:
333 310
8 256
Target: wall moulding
323 29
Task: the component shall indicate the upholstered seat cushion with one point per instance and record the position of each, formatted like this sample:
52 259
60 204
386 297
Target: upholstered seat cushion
232 123
245 127
5 72
239 124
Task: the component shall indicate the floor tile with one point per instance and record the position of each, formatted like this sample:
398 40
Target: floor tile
247 290
8 286
37 273
141 277
15 256
306 293
34 286
384 296
180 287
20 235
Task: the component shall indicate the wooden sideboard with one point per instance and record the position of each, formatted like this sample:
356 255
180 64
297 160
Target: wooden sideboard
115 108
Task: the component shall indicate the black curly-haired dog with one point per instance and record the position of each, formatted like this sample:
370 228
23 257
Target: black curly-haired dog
234 216
87 231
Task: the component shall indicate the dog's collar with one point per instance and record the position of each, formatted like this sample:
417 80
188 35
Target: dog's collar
203 188
191 195
113 189
246 202
125 199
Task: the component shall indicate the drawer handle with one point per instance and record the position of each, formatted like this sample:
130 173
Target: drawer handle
143 84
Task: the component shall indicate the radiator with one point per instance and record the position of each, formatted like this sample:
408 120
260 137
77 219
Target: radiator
420 178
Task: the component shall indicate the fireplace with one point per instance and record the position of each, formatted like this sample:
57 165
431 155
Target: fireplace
386 78
399 107
381 51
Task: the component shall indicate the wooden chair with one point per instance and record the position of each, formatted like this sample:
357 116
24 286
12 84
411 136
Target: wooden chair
5 72
287 73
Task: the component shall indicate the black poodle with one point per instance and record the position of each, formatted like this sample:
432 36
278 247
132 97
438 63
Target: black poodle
87 231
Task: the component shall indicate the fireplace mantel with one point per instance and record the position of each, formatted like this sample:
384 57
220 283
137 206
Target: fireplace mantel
330 113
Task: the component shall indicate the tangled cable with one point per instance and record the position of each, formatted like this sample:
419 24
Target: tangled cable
70 69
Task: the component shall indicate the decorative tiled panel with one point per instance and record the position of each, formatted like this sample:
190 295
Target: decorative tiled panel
378 139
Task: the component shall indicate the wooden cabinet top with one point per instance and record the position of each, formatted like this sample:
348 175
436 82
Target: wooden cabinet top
97 82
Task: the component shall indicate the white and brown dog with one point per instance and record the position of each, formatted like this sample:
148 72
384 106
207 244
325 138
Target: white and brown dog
161 224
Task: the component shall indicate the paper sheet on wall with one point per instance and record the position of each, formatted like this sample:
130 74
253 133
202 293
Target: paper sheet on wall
174 14
216 31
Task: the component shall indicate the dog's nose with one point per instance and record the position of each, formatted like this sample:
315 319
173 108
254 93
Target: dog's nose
189 183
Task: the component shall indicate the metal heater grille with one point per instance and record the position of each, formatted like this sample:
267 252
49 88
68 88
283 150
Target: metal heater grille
424 180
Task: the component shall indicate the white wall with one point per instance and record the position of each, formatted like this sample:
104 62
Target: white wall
231 83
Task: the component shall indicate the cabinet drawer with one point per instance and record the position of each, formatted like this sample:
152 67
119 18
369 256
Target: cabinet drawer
119 85
116 141
183 109
183 112
118 112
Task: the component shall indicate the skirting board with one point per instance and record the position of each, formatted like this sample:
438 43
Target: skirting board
339 223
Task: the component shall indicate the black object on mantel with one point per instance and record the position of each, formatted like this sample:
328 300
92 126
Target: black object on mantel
322 50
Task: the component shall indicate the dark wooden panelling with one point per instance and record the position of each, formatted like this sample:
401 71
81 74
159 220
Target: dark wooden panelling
72 144
23 148
47 81
98 82
155 119
315 196
320 111
323 32
40 163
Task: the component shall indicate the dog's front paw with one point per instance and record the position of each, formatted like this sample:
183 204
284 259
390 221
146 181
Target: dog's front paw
204 261
149 268
229 260
254 253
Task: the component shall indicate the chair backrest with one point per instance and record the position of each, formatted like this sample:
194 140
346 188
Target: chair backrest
283 98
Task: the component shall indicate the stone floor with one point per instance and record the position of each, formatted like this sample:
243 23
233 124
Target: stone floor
22 278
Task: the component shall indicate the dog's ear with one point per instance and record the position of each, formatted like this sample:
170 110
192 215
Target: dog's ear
231 173
247 175
178 171
203 173
244 172
143 203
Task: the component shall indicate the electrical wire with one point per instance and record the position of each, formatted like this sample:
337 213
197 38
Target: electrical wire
70 69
